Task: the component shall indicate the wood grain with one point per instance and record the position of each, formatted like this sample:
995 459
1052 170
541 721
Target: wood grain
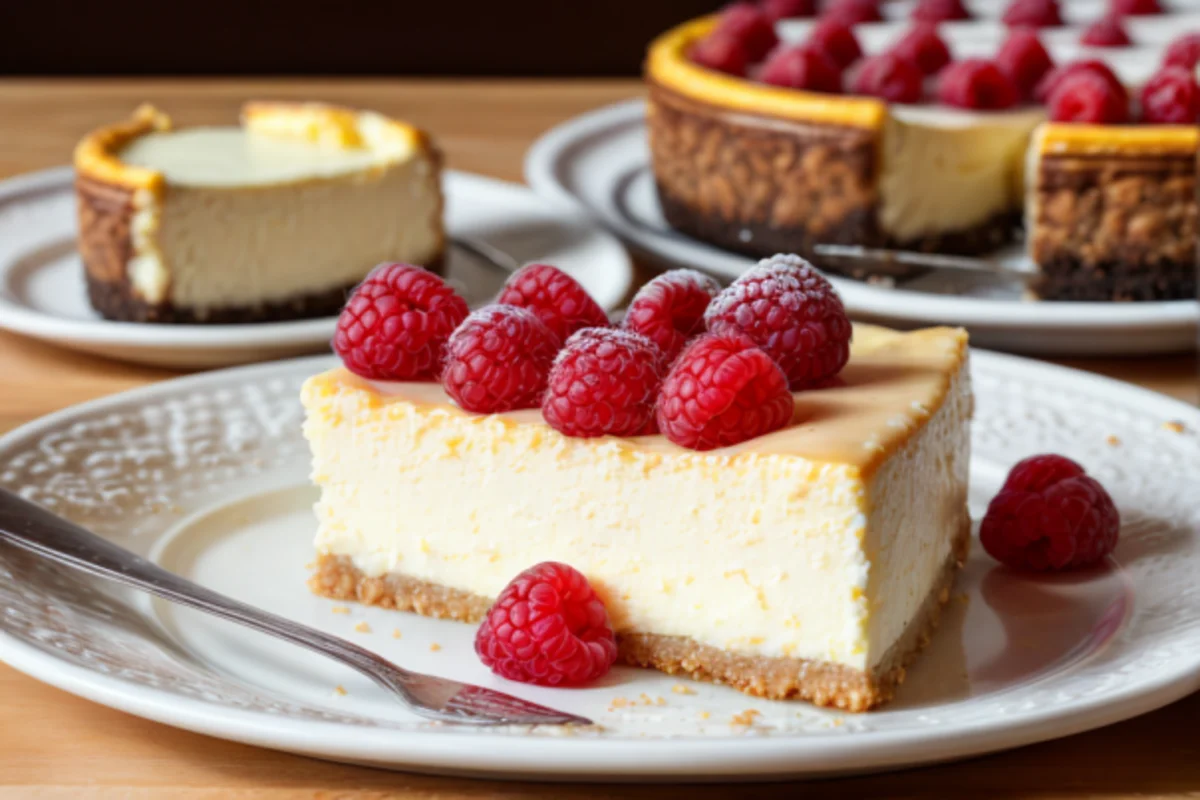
54 745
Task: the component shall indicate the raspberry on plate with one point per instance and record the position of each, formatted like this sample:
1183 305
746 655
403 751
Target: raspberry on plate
891 77
836 40
1050 515
498 359
789 9
922 46
603 383
976 83
555 297
547 627
722 53
802 67
1033 14
722 390
1106 32
940 11
1171 97
395 325
1024 60
748 24
1183 52
1136 7
792 312
1088 97
1050 82
852 12
669 310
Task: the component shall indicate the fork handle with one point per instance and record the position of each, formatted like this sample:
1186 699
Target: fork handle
36 530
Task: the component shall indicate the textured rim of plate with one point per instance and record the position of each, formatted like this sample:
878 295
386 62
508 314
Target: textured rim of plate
557 757
21 319
544 167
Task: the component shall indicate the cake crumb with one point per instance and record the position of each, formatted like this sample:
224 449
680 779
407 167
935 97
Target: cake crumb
1174 426
838 722
746 718
1113 441
395 633
433 648
339 691
618 702
705 715
680 688
340 610
362 627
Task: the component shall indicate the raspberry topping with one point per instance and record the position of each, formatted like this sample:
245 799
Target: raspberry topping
555 297
498 360
802 67
891 77
723 390
1106 32
746 23
922 46
835 40
789 310
853 12
789 9
1024 60
1050 515
1183 52
1033 14
1088 97
669 310
940 11
547 627
722 53
1051 80
1171 97
1136 7
603 383
396 323
976 83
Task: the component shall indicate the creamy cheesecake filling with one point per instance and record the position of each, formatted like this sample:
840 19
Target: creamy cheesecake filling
792 545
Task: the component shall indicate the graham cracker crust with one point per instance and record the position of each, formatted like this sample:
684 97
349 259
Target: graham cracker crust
776 678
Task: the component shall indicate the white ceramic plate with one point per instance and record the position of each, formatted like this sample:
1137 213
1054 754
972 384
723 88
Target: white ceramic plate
42 291
599 162
208 476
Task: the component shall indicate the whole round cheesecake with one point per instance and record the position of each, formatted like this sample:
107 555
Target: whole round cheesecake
923 128
275 219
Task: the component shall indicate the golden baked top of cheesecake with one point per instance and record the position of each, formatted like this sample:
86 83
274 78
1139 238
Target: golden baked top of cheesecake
1073 138
142 152
893 383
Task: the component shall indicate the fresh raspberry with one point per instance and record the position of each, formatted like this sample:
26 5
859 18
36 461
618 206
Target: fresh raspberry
723 390
1183 52
835 39
1033 14
852 12
746 23
669 310
940 11
396 323
789 310
891 77
1171 97
1024 60
1106 32
1087 97
603 383
547 627
976 83
802 67
789 9
555 297
1051 80
498 360
721 53
1134 8
922 46
1050 515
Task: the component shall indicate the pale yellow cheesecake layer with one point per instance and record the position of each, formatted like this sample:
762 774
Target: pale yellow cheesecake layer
821 541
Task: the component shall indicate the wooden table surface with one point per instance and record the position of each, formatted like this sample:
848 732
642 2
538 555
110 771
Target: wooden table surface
55 745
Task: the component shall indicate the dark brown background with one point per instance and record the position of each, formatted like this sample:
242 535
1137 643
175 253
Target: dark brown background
402 37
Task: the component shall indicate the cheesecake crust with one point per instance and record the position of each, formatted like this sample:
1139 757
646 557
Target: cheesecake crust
819 682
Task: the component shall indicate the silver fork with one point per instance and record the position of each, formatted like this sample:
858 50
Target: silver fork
33 528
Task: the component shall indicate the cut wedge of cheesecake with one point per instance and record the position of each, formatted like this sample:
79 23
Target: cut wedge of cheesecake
811 562
275 219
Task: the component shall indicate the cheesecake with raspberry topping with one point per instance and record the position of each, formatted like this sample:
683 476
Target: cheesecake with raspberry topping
274 219
796 564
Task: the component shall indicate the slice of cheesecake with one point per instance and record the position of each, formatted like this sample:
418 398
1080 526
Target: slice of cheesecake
811 562
275 219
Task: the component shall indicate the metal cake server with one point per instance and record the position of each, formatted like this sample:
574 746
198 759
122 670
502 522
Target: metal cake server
33 528
900 263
